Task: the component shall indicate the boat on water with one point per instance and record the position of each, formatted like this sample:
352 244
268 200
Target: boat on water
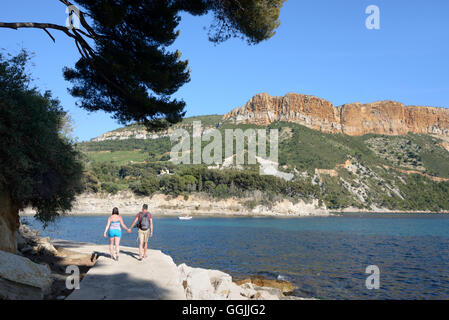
184 217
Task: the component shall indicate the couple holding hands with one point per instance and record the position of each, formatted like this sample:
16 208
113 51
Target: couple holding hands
113 230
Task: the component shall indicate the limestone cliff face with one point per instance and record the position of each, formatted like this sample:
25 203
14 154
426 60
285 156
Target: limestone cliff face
382 117
427 120
141 133
310 111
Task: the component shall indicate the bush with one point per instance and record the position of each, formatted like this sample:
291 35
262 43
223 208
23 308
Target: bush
190 182
147 186
91 183
110 187
221 191
209 186
172 184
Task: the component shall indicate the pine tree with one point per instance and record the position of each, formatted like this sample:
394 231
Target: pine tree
125 68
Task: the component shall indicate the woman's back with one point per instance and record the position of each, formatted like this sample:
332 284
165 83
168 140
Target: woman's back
115 223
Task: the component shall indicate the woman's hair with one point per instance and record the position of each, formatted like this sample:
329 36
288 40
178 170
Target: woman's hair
115 211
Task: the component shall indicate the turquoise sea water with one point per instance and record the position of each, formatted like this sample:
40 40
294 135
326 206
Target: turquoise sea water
325 257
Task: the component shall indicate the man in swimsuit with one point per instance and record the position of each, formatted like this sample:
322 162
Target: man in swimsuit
144 233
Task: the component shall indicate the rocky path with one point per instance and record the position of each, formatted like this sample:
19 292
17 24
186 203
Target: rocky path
42 268
156 277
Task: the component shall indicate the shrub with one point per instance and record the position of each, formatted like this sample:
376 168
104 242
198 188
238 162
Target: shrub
110 187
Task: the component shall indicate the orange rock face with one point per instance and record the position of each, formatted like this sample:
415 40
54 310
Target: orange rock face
427 120
382 117
310 111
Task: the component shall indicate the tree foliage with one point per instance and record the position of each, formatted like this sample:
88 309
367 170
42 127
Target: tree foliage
38 164
125 67
255 20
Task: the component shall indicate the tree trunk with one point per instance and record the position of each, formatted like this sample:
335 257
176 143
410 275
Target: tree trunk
9 222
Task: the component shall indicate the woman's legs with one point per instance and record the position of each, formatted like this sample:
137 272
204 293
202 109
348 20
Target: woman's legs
117 245
111 247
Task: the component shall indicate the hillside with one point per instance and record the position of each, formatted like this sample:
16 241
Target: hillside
367 172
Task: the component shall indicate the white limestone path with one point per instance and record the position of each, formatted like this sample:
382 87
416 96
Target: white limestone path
156 277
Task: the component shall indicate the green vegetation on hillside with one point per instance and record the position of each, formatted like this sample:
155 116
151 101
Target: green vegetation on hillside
119 157
368 183
149 178
308 149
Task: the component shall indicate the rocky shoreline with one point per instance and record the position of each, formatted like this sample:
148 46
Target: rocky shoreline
38 271
385 210
200 205
195 205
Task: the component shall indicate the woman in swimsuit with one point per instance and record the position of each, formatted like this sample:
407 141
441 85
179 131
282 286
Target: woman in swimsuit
114 232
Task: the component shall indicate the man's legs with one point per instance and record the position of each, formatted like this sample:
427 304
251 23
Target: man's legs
147 234
143 243
140 244
140 249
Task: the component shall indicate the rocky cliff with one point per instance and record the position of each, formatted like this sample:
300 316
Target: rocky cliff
135 133
139 132
196 204
382 117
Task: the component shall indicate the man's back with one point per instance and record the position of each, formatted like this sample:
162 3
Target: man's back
144 220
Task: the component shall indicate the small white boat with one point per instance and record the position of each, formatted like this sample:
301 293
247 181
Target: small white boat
184 217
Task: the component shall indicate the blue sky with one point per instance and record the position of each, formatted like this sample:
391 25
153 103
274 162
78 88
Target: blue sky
322 48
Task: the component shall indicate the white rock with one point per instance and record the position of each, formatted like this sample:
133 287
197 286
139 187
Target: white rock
235 293
184 270
20 278
198 286
208 284
248 290
221 282
266 293
47 248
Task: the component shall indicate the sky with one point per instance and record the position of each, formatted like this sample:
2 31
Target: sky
322 48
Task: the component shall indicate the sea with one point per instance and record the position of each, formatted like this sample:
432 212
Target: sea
344 256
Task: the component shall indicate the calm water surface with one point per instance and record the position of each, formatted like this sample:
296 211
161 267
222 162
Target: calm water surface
325 257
